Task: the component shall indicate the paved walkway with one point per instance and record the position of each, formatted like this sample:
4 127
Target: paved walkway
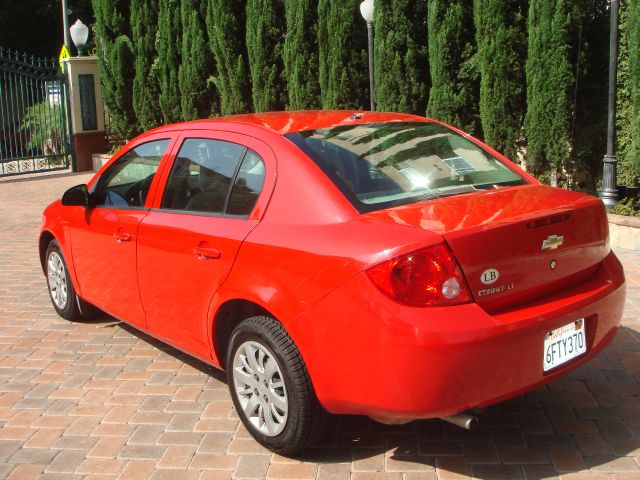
99 400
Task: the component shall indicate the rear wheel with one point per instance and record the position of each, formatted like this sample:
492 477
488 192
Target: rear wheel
61 291
271 388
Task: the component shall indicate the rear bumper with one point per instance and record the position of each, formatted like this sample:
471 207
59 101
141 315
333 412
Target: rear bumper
369 355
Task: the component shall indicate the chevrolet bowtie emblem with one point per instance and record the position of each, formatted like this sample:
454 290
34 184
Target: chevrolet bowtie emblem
552 242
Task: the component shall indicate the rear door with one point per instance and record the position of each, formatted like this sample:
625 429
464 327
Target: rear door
188 242
103 237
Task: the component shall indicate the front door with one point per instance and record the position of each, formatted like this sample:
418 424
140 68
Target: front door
103 236
187 246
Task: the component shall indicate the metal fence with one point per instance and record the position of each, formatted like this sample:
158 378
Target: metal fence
34 115
111 136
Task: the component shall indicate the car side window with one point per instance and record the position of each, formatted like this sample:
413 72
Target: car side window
247 186
126 183
202 175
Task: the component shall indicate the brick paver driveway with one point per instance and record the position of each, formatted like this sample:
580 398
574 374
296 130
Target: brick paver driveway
100 400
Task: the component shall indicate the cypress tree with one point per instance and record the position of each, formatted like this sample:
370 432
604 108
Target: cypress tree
301 55
115 60
401 69
454 77
501 40
589 52
550 80
342 44
225 28
264 36
145 83
169 54
120 61
623 102
634 83
196 65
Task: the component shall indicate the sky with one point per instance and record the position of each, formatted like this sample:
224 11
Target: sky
35 26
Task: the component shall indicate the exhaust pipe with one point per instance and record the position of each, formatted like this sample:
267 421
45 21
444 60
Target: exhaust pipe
463 420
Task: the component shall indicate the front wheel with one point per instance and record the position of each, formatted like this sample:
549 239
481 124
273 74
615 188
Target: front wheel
271 388
61 291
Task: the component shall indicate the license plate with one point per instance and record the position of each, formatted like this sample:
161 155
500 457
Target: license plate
564 344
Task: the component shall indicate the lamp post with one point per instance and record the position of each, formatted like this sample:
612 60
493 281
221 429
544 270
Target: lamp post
79 35
366 10
65 24
609 193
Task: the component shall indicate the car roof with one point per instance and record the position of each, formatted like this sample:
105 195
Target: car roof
283 123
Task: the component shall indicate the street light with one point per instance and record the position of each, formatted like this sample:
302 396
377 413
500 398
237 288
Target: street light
79 35
609 193
65 24
366 10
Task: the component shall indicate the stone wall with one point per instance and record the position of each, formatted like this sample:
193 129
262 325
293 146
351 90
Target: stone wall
624 232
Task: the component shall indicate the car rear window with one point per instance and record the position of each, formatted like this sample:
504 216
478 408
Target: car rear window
380 165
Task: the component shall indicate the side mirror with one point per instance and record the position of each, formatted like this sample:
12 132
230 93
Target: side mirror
77 196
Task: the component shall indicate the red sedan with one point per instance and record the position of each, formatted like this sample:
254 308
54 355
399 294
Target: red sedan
357 263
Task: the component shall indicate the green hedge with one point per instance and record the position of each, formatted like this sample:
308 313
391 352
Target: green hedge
527 76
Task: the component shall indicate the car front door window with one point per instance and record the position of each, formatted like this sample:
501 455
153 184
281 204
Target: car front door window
126 183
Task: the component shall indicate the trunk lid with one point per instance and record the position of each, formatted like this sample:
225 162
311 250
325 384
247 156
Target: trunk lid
515 244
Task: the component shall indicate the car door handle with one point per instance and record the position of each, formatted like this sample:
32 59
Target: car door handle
122 236
206 253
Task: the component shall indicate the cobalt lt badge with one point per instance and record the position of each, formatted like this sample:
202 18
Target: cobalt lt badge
552 242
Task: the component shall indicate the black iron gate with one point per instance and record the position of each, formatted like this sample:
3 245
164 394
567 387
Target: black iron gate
34 115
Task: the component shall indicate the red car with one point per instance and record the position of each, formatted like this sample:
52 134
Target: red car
355 263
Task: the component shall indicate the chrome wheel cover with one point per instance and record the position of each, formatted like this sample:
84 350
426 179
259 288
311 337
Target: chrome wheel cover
260 389
57 280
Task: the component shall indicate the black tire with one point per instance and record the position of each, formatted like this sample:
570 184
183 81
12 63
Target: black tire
306 419
68 310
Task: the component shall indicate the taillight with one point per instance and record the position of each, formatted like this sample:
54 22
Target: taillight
425 278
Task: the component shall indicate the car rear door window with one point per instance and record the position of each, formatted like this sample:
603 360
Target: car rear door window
214 176
247 185
126 183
